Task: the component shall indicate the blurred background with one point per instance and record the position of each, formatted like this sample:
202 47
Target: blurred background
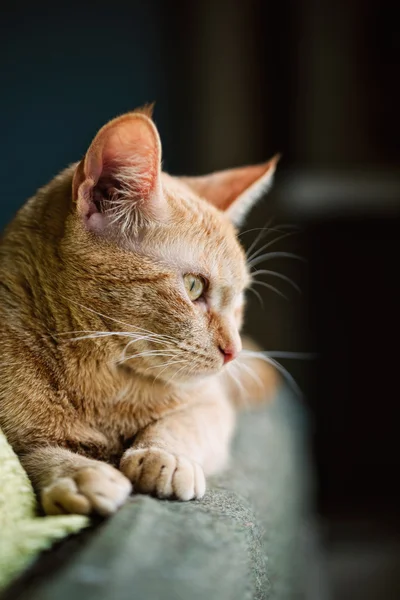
234 83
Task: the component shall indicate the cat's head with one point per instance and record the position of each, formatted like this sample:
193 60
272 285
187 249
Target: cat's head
160 257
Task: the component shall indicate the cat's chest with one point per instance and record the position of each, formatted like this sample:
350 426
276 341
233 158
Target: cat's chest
107 429
117 418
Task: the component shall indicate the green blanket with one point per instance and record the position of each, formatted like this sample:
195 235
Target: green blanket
23 534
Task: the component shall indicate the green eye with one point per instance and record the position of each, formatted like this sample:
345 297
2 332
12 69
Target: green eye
194 285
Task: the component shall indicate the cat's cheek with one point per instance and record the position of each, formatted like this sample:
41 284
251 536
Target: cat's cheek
239 320
201 305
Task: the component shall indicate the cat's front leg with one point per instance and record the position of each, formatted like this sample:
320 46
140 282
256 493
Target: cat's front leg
67 482
171 457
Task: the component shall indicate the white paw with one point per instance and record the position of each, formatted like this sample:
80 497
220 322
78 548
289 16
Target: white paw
99 488
166 475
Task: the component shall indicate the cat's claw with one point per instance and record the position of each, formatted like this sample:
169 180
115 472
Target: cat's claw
165 475
97 489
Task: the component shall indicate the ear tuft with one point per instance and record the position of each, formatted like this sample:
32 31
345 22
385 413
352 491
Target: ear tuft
146 109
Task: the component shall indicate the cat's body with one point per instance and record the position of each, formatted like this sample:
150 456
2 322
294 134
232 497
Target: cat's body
105 355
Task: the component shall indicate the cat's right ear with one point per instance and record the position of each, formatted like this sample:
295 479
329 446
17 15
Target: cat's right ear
117 185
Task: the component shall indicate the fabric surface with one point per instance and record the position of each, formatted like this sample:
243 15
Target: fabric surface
243 541
22 534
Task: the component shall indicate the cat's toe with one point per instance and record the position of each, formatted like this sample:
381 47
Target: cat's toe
105 487
63 497
100 489
166 475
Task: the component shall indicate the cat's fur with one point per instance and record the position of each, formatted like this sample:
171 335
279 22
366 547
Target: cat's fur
103 248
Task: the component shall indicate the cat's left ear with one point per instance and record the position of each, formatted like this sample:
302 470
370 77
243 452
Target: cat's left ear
118 183
235 191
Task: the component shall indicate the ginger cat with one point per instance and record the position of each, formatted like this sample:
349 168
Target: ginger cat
121 301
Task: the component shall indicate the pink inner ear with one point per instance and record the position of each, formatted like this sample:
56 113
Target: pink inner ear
138 153
232 184
224 187
126 152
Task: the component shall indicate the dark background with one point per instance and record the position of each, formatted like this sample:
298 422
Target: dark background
236 82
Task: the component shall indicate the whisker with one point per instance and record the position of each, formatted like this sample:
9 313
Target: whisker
268 244
279 275
97 332
271 255
270 287
166 365
257 294
293 355
134 338
173 362
102 334
150 339
236 379
160 373
144 354
263 231
139 329
177 373
255 229
251 372
95 311
278 229
92 333
265 356
179 370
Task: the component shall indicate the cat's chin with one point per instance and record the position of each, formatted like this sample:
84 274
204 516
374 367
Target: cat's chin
199 376
192 378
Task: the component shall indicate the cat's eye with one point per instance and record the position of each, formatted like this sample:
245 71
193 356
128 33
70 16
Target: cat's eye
195 285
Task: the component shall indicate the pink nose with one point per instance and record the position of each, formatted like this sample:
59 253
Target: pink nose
228 353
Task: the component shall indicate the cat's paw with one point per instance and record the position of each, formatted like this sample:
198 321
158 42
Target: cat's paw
99 488
166 475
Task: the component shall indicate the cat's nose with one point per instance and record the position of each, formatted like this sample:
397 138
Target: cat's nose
229 353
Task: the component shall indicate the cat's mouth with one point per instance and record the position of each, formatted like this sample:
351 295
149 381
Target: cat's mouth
175 369
175 364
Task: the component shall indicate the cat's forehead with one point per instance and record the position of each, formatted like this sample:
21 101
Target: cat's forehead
200 247
175 188
199 238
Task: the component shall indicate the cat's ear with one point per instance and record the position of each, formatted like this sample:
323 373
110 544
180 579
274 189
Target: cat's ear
235 191
117 184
